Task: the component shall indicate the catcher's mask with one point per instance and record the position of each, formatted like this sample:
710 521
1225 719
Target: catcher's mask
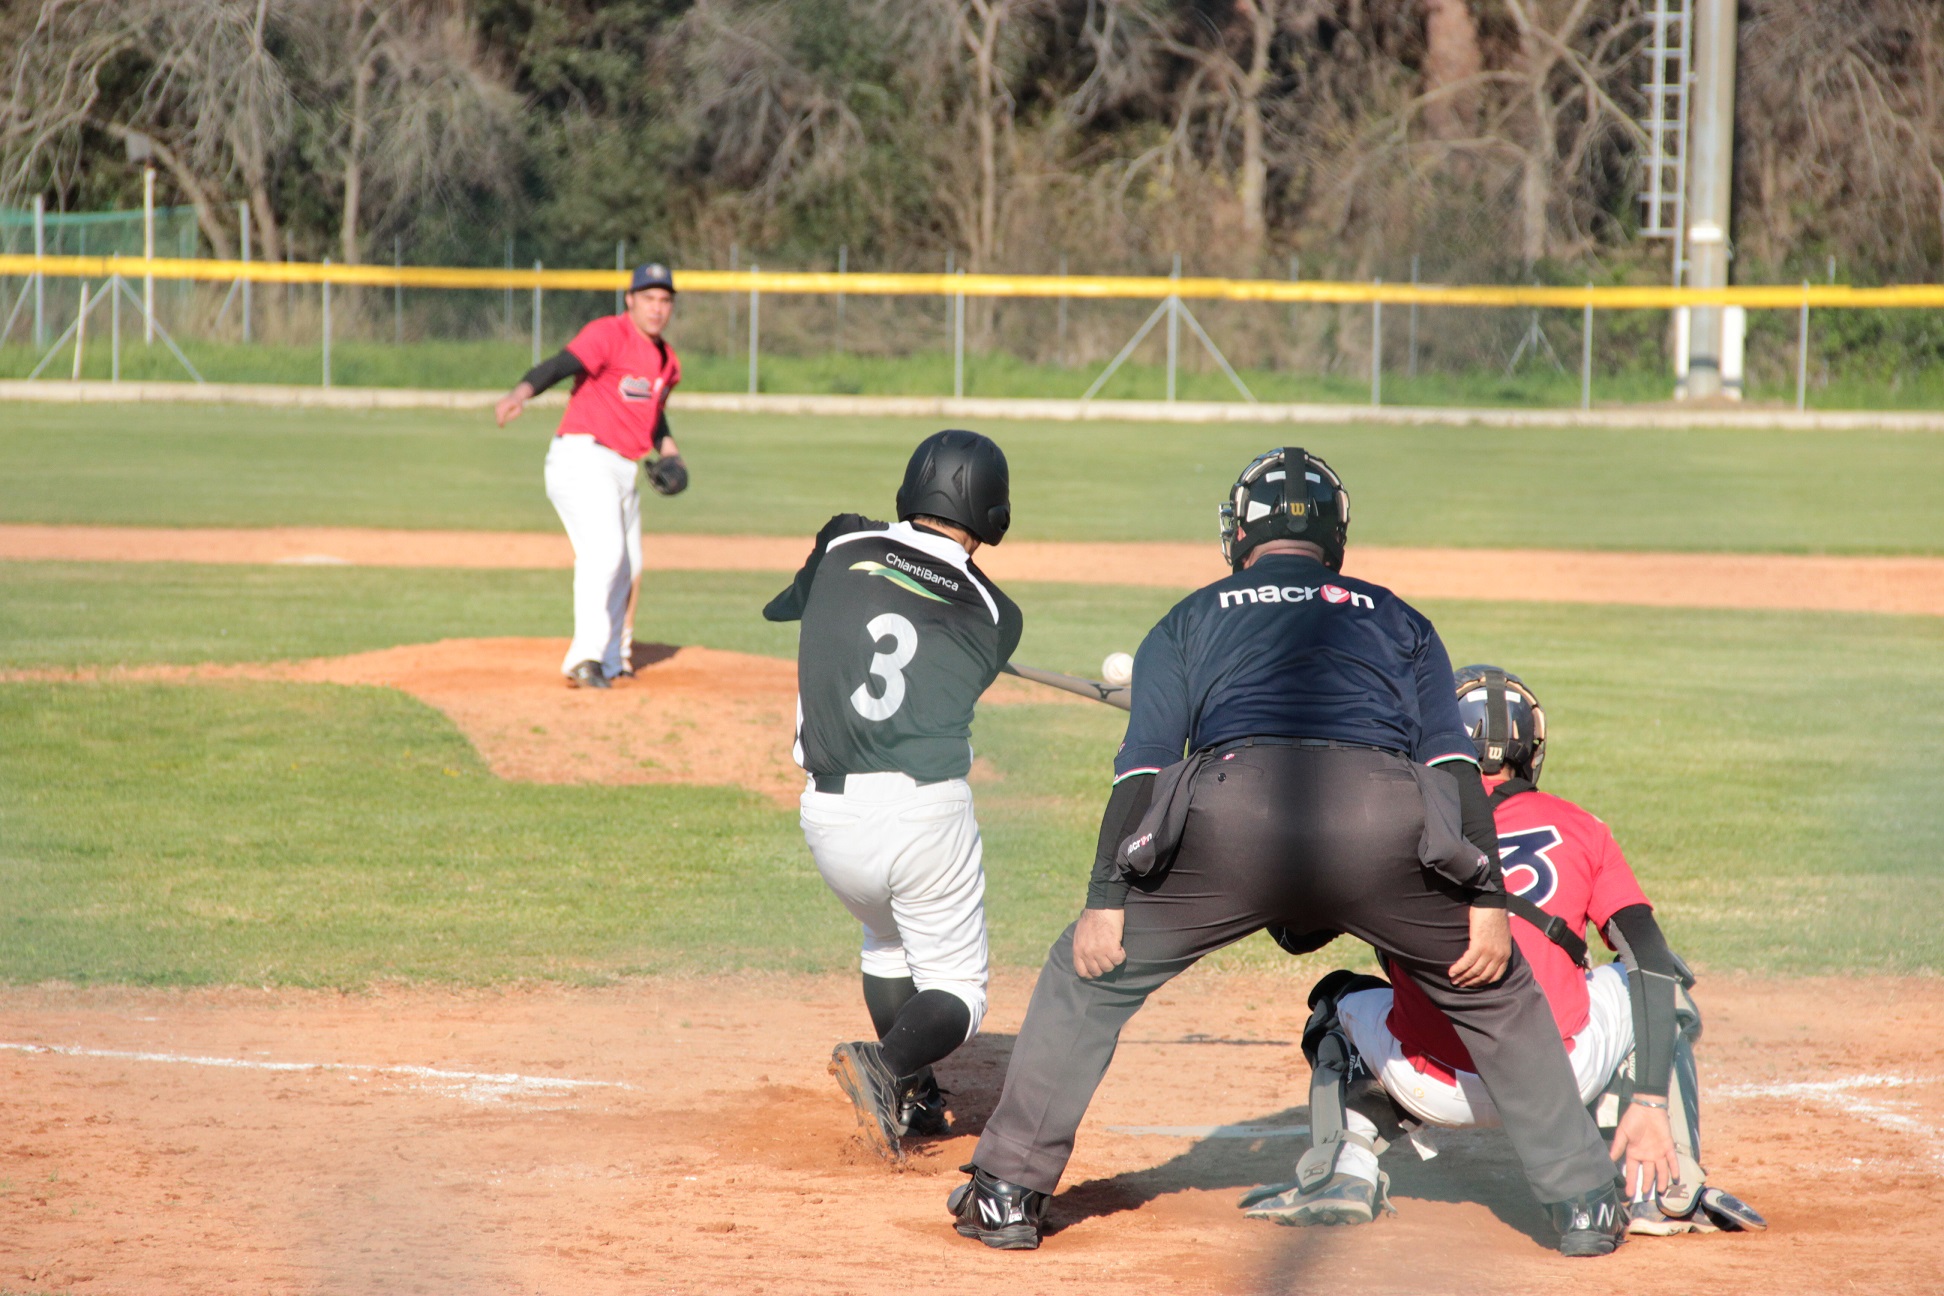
961 477
1506 723
1286 494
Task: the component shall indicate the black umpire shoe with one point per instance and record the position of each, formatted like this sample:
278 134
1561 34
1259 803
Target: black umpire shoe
874 1092
1591 1224
1002 1215
587 675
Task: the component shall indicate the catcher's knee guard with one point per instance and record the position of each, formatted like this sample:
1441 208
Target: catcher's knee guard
1340 1083
1683 1109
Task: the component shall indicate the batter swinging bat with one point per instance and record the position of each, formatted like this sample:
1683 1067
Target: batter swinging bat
1113 695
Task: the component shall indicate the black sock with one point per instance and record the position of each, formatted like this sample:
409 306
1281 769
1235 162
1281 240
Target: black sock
928 1028
884 997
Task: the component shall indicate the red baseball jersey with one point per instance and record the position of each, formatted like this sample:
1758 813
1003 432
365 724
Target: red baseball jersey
1563 860
619 401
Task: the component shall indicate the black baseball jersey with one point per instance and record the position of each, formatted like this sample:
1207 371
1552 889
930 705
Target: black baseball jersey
901 634
1288 648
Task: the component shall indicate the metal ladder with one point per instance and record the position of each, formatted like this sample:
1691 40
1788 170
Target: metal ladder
1663 181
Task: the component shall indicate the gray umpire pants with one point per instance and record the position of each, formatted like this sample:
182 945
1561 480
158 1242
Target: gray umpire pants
1313 839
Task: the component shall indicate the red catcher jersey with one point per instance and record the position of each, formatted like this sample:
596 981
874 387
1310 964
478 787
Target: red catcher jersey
619 400
1563 860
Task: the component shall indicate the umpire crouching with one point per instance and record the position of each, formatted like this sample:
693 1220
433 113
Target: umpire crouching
1330 787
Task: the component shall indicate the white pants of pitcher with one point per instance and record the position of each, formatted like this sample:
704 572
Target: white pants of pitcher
593 490
1599 1047
906 861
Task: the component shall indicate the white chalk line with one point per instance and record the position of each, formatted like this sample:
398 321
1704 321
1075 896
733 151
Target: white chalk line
475 1086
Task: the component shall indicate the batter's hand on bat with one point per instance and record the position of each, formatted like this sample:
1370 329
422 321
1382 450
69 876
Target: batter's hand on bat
1097 942
1643 1144
512 403
1489 953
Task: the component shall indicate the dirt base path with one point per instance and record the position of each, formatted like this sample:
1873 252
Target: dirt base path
1912 586
680 1135
690 715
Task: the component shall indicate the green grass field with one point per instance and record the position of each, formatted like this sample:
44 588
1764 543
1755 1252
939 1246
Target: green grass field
1771 774
1689 490
1913 383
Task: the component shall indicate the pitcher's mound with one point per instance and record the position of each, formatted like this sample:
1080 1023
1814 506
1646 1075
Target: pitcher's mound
690 715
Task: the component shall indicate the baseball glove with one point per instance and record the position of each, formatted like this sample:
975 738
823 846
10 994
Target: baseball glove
668 475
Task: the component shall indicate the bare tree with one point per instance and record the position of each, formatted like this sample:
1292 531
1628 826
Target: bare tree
410 108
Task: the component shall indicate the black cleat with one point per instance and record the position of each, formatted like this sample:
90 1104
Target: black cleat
874 1092
587 675
1591 1224
1002 1215
921 1109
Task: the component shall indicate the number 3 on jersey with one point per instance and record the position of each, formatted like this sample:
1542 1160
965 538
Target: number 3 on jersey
887 666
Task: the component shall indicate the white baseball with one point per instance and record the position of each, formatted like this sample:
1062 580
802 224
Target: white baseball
1118 669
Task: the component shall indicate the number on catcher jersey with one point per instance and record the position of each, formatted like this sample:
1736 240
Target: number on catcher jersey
888 667
901 634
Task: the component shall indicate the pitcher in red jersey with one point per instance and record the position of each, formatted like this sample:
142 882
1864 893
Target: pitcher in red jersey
623 370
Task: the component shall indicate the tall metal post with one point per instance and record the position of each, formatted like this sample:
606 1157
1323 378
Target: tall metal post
1174 325
843 267
114 322
398 293
1710 185
948 301
1586 350
148 255
536 312
958 340
1063 314
621 268
40 280
1802 351
755 306
1410 363
326 295
1376 347
243 241
731 343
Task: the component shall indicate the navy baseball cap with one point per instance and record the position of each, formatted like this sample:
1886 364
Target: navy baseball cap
652 275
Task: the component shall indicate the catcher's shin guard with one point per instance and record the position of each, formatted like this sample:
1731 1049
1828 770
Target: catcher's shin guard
1339 1084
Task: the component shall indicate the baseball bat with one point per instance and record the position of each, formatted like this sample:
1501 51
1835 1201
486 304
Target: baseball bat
1114 695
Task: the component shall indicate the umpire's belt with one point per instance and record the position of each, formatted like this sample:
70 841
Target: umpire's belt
1275 740
834 783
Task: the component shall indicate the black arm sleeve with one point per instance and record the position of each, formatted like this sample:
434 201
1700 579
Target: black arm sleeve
548 372
1653 979
1480 830
1107 889
661 426
788 605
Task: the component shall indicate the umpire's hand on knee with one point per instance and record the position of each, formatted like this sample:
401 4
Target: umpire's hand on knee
1097 941
1489 953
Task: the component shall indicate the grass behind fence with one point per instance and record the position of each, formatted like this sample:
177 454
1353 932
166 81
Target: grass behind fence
497 365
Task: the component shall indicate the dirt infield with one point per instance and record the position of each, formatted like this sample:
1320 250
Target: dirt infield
679 1135
690 715
1898 585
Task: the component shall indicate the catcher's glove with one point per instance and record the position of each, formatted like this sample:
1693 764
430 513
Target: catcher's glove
668 475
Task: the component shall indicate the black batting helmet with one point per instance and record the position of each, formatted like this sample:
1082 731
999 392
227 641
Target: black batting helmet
1506 723
1286 494
960 477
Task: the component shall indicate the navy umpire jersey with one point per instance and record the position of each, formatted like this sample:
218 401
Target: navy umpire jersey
901 634
1290 649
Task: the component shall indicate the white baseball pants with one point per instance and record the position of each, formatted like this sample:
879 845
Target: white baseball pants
906 861
1598 1049
593 490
